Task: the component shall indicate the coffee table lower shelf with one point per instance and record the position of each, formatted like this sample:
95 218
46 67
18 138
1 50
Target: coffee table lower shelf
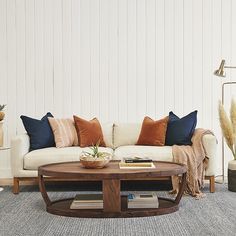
62 207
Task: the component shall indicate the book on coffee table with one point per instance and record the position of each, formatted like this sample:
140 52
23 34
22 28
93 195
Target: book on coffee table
137 159
87 201
88 198
141 165
143 200
75 206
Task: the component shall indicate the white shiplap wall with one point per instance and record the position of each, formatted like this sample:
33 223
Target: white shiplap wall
115 59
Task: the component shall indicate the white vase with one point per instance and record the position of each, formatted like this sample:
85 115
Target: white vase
1 134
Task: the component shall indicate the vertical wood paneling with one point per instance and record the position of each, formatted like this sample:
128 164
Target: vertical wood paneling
104 73
39 58
141 59
20 63
3 51
30 58
48 55
216 81
3 58
122 63
207 73
150 58
197 65
57 59
95 58
226 41
66 56
160 58
188 56
85 62
11 68
76 56
233 40
118 60
179 56
169 103
113 60
233 46
131 61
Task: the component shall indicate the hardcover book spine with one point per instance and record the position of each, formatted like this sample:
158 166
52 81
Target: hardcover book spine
137 161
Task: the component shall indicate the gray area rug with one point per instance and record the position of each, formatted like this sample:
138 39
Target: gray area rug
24 214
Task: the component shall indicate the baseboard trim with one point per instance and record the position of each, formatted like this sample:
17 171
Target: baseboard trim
9 182
6 182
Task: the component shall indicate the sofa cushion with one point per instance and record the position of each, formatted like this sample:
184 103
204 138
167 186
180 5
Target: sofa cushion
210 145
89 132
64 131
180 130
126 133
107 130
157 153
39 131
153 132
34 159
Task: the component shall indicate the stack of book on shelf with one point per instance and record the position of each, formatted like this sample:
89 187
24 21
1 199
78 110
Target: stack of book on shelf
143 200
136 163
87 201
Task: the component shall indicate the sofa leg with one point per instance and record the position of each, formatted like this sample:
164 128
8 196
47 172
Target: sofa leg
16 185
212 184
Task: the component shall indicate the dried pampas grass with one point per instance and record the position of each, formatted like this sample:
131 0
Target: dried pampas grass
233 115
228 126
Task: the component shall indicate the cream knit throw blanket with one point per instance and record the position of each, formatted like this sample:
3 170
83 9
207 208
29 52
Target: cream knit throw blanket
195 158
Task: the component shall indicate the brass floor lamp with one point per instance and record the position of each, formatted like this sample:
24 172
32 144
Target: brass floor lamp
220 72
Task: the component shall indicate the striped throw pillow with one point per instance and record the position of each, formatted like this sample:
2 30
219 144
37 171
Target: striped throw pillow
64 132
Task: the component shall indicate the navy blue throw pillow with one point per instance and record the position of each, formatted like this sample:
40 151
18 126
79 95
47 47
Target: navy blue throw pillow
180 131
39 131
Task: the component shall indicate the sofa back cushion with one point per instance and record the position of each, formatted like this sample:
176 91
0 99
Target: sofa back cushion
180 130
39 131
64 131
153 132
126 134
107 130
89 132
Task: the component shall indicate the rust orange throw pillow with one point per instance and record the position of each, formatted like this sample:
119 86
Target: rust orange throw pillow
89 132
153 133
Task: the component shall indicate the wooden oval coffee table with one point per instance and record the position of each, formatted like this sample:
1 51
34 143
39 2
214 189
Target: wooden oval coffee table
113 204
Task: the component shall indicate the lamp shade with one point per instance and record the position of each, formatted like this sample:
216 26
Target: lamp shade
220 72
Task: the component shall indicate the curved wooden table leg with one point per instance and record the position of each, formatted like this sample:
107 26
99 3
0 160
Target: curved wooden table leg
182 188
43 190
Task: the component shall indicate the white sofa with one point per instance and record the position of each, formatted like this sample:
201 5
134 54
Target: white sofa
120 139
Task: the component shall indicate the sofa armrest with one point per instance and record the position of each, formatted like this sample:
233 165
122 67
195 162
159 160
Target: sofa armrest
210 145
19 147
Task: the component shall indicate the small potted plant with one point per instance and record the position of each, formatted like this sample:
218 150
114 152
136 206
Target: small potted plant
2 115
95 159
228 127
